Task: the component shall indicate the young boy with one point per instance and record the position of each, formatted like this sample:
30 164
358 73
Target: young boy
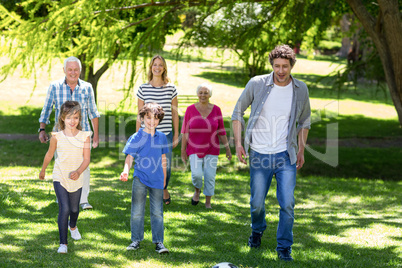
148 148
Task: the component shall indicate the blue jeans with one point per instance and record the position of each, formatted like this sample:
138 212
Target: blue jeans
262 169
169 157
204 167
139 197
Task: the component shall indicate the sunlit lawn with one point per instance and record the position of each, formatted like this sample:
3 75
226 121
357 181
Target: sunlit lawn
349 215
340 222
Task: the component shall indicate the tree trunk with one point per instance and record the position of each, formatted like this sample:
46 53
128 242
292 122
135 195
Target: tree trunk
87 71
345 26
386 33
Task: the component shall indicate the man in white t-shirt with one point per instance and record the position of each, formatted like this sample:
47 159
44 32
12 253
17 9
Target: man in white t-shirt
276 134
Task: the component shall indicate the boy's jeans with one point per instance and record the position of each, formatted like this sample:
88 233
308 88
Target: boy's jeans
262 168
139 197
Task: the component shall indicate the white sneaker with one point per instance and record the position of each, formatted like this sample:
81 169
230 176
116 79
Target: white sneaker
86 206
75 234
62 249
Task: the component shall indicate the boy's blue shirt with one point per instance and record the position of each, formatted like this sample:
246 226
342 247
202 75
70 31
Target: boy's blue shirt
147 151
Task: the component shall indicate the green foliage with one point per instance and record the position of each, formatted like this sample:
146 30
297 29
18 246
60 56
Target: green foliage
253 29
87 29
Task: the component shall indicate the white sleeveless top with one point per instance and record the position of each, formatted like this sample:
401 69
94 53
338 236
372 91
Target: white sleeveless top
70 154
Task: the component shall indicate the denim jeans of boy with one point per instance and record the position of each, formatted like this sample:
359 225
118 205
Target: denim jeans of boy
138 200
262 169
169 158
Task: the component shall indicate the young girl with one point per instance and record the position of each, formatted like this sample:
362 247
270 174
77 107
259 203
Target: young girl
72 158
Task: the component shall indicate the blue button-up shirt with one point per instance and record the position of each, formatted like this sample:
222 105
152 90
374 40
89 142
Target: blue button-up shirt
59 92
256 93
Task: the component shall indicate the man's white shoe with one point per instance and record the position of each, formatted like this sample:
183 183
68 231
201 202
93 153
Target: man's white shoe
74 233
62 249
86 206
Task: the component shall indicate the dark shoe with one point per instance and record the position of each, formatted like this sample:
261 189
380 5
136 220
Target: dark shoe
194 203
254 240
284 255
167 201
134 246
160 248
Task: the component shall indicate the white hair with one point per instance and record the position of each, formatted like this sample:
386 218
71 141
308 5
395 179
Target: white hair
72 59
207 86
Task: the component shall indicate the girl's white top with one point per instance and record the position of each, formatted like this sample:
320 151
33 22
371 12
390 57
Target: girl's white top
68 158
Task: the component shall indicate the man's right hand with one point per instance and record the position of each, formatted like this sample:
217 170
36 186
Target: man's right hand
241 154
43 137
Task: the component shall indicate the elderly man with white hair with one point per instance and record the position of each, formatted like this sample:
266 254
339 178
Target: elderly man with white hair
202 130
72 88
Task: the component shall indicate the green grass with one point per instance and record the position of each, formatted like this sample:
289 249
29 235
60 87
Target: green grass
349 215
340 221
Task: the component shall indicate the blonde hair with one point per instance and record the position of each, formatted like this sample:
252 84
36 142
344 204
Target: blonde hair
164 74
69 108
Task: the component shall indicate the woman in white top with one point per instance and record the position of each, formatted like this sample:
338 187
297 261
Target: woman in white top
73 156
159 90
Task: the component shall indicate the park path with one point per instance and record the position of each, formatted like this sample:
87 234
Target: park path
387 142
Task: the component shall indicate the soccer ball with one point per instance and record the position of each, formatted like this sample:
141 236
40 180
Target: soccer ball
224 265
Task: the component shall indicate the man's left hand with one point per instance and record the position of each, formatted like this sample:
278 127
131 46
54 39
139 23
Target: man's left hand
300 160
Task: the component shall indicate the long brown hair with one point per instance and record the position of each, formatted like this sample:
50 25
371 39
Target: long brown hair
164 74
69 108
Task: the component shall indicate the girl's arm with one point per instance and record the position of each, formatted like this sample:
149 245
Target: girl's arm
175 120
85 163
164 169
138 123
224 140
127 166
48 157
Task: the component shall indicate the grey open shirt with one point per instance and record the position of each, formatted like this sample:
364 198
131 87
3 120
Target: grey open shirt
256 93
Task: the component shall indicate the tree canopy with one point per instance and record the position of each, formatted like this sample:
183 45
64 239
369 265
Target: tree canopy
252 29
37 31
40 30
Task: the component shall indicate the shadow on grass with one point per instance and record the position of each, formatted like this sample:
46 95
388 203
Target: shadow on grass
319 86
235 79
197 237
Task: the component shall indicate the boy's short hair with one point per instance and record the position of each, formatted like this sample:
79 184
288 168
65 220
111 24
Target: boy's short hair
284 52
154 108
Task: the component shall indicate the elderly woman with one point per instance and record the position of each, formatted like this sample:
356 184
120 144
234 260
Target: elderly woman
202 129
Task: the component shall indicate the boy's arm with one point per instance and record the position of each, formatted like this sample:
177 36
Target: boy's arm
127 166
48 157
74 175
164 169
